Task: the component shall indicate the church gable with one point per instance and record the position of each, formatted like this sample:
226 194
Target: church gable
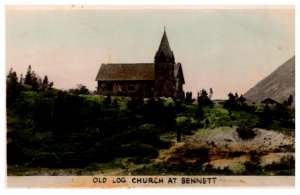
178 73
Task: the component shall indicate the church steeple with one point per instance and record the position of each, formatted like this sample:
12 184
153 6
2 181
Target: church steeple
164 53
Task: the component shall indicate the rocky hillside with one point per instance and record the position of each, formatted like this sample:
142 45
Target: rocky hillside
279 85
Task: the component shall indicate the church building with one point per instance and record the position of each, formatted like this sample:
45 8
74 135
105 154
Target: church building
163 78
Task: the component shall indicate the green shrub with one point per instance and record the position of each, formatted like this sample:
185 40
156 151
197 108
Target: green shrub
245 132
252 168
286 166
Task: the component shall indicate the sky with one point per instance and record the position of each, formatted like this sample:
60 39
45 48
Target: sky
228 49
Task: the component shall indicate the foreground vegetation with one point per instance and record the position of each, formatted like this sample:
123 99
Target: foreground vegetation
50 131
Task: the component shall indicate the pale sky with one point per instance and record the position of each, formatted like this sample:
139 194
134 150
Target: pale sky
227 49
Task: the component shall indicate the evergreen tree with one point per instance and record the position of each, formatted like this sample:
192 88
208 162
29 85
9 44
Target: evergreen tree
241 100
204 94
200 112
28 77
81 89
21 79
12 87
290 100
236 95
107 100
203 98
188 97
45 81
266 117
234 102
210 93
51 85
35 81
12 76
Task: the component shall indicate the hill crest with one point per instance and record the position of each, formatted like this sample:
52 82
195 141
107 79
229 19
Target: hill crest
279 85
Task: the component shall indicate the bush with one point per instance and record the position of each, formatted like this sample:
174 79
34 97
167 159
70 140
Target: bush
245 132
107 100
45 159
136 149
286 166
252 168
201 153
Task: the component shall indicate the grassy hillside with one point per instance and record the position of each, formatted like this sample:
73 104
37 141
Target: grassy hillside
55 132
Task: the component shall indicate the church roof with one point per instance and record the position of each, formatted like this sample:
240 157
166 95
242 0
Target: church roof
132 72
129 72
164 52
177 71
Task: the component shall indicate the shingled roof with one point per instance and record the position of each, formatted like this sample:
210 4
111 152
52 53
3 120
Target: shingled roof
126 72
164 52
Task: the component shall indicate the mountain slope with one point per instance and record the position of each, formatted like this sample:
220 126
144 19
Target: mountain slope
279 85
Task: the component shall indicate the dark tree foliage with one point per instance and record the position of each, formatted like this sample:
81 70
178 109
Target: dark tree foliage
279 115
135 103
107 100
67 130
231 102
13 88
290 100
236 102
178 136
28 77
206 123
34 82
81 89
200 112
252 168
286 166
21 79
241 100
53 128
155 112
266 117
210 93
189 97
45 81
115 103
203 99
245 132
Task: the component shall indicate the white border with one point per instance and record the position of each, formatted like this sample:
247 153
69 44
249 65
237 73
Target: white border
131 2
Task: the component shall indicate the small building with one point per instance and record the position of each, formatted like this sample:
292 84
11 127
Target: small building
163 78
270 101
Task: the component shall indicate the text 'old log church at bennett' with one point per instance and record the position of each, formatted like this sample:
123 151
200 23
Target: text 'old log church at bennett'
163 78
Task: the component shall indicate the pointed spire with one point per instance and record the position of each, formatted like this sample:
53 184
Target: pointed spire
164 53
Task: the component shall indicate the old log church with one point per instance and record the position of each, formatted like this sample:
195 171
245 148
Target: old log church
163 78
